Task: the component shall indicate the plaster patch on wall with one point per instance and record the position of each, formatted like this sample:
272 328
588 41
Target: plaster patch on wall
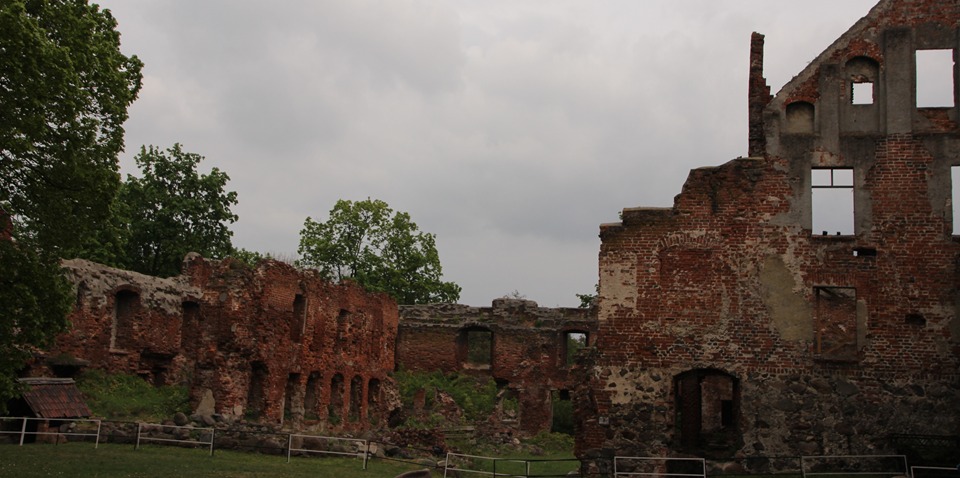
791 314
618 286
627 386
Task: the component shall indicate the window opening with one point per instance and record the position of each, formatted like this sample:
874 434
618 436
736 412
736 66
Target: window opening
707 408
299 318
476 348
562 412
290 406
373 400
836 323
311 397
335 408
356 397
861 93
832 201
935 78
190 327
256 396
955 186
125 309
573 341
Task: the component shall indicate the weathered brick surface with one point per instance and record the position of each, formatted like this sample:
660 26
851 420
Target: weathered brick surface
270 343
528 352
728 327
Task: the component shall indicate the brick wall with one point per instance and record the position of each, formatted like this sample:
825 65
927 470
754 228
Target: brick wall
527 354
729 308
272 343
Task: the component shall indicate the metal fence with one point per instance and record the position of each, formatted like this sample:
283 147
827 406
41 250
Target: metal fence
661 467
75 429
191 436
331 446
854 465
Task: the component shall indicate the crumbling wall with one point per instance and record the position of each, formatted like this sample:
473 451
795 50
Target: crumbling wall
271 343
527 349
729 327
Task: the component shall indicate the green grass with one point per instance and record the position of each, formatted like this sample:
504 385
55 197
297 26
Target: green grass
109 460
128 397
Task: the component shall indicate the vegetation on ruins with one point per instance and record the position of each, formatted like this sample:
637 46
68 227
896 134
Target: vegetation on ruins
173 209
475 395
384 251
65 88
128 397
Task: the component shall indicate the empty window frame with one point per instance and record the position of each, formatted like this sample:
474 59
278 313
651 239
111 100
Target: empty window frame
935 78
476 348
125 310
573 341
955 183
832 201
863 73
836 323
299 318
861 93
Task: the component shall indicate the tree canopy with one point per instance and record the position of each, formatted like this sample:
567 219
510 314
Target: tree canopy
64 89
173 209
383 251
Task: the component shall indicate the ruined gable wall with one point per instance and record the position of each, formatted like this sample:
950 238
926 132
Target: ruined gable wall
827 344
527 353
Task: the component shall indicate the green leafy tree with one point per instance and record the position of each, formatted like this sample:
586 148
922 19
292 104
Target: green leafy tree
383 251
34 302
589 300
65 88
64 93
173 210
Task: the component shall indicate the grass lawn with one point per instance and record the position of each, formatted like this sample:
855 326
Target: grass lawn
82 459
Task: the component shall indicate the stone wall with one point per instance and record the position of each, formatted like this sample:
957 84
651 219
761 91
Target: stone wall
520 345
730 327
271 343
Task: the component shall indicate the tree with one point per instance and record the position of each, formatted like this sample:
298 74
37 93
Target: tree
173 210
34 301
65 88
366 242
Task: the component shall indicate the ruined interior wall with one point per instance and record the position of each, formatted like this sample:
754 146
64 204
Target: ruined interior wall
527 354
832 343
271 343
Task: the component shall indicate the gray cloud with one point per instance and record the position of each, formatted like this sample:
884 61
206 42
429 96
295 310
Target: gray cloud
510 129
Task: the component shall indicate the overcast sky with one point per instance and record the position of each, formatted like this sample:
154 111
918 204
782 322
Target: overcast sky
510 129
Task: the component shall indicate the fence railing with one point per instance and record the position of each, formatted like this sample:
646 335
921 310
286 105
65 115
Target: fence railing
195 435
657 466
484 465
935 471
849 465
76 433
361 447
